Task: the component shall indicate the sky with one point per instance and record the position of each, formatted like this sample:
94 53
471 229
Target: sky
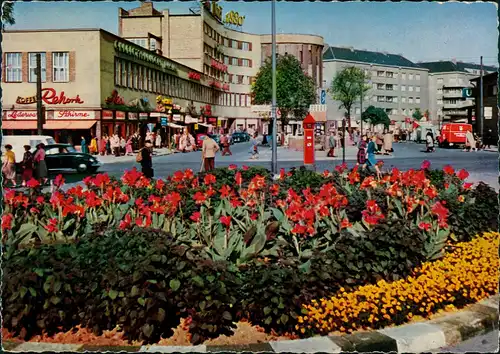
425 31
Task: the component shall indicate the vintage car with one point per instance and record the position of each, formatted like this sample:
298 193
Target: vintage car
64 157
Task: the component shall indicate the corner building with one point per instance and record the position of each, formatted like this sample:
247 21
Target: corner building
231 59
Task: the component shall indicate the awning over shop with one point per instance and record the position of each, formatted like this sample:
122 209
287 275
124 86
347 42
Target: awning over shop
319 116
50 125
173 125
206 125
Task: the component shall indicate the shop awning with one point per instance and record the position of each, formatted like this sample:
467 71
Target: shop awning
206 125
173 125
50 125
319 116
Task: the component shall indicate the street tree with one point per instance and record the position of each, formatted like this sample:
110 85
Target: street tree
295 90
347 87
417 115
376 116
7 14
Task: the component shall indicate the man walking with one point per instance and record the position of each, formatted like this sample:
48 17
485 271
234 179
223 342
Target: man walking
331 144
115 144
209 149
145 158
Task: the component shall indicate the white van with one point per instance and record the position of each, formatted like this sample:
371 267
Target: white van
18 142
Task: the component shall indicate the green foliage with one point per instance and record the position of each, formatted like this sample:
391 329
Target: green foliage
376 116
295 90
303 178
347 87
8 14
417 115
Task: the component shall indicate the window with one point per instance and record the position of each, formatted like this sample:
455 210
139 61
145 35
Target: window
245 46
410 76
234 61
389 87
129 75
118 74
245 62
60 65
403 76
234 44
410 88
395 99
439 80
380 86
13 67
124 73
374 86
32 66
389 74
417 88
440 90
226 42
394 111
240 79
143 42
403 99
440 101
150 80
226 60
417 100
410 99
374 98
417 77
380 73
380 99
152 44
388 99
403 88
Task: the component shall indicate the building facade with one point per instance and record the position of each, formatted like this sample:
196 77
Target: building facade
489 131
397 85
447 79
95 83
209 40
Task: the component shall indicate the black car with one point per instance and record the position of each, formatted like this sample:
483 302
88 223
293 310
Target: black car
62 157
240 137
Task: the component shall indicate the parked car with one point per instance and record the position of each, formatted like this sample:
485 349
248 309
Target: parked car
64 157
18 142
240 137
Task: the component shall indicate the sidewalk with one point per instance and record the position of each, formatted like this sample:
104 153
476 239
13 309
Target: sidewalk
109 159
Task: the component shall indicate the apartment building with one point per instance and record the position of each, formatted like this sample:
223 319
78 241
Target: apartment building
447 79
397 85
210 40
490 106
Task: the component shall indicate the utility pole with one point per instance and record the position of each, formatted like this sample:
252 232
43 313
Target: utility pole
343 140
274 166
481 106
361 110
40 117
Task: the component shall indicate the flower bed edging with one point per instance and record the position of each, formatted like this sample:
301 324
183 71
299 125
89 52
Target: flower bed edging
425 336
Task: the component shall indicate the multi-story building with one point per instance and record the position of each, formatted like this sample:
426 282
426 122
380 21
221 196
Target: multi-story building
398 85
447 79
489 130
209 41
93 83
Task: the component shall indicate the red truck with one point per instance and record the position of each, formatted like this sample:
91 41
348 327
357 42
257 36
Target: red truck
453 134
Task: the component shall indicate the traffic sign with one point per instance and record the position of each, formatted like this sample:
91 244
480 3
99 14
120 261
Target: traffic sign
323 97
466 92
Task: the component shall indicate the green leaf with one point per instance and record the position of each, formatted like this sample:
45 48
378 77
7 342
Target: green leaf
135 291
113 294
284 318
174 284
32 292
161 315
141 301
267 310
198 281
148 329
55 300
22 291
278 214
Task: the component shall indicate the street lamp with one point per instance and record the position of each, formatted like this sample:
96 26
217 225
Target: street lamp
274 167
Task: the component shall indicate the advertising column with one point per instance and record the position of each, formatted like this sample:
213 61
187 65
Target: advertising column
309 141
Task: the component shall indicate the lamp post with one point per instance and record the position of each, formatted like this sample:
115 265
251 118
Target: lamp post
274 167
343 140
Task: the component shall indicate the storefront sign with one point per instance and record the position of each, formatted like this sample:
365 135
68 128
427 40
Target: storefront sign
120 115
155 114
196 126
234 18
215 9
132 116
218 65
194 76
212 120
50 97
107 114
190 120
20 115
143 116
144 54
74 114
115 99
164 121
177 117
488 112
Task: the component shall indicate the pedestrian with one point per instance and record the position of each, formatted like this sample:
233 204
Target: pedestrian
186 142
115 144
470 143
93 146
255 147
355 137
102 145
145 158
332 145
27 165
429 142
158 140
129 150
379 141
361 156
123 144
83 145
371 150
41 171
208 151
9 166
388 139
225 144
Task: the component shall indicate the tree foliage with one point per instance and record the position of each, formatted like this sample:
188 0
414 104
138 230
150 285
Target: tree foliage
347 87
417 115
8 14
295 90
376 116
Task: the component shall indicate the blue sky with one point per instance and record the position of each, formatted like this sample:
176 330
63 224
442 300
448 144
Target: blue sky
420 31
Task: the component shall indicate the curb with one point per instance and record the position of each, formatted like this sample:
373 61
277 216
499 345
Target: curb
132 158
425 336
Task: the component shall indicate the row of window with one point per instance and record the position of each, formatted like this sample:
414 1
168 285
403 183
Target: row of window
229 43
394 99
405 111
392 87
391 74
134 76
229 78
211 52
144 42
14 67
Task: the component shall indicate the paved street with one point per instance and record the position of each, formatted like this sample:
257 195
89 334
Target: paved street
487 343
482 165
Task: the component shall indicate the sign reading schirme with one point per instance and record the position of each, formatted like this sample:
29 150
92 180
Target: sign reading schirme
50 97
145 55
70 114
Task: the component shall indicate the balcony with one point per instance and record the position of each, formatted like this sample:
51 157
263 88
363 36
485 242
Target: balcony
452 94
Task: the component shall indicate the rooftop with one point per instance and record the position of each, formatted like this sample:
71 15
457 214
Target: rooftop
365 56
452 66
